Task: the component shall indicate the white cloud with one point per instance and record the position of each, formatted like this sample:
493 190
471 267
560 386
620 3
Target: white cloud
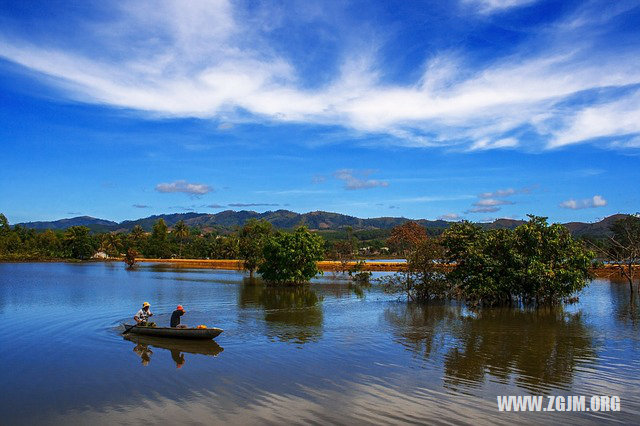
352 182
492 6
449 217
491 202
486 144
619 117
197 59
500 193
593 202
489 209
184 186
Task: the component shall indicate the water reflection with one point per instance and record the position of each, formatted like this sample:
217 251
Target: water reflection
625 304
177 347
537 350
291 314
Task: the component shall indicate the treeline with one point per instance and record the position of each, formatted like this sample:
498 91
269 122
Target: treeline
78 242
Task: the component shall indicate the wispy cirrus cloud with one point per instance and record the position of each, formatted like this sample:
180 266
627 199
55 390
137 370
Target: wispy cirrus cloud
586 203
167 59
493 6
183 186
354 180
140 206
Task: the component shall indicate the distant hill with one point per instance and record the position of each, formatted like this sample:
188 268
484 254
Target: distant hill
596 229
96 225
285 219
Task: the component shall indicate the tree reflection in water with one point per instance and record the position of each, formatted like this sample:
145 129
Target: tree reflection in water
291 313
538 350
626 304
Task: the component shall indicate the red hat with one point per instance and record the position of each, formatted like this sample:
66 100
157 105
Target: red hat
180 308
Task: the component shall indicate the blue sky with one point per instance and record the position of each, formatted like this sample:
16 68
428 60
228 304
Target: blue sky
475 109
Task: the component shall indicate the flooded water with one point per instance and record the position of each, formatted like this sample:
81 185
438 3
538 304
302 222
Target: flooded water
326 353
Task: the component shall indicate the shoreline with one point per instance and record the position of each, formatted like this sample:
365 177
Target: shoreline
605 271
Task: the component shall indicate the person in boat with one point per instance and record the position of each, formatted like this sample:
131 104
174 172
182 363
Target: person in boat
144 353
142 316
175 317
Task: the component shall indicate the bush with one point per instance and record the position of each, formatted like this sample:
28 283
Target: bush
424 280
290 258
535 263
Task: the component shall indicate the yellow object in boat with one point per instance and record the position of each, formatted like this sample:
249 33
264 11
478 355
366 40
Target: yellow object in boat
201 326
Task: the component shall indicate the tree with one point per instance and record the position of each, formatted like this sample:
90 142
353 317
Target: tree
158 245
49 244
252 238
181 231
137 237
406 237
4 225
224 247
78 242
623 247
290 258
111 244
424 279
130 258
343 252
535 263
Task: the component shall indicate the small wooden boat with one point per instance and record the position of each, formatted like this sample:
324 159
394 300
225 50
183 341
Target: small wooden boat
175 333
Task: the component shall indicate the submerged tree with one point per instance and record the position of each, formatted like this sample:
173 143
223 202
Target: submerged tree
535 263
252 239
130 258
290 258
623 247
424 279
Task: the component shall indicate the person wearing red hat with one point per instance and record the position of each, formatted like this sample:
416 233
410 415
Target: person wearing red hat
175 317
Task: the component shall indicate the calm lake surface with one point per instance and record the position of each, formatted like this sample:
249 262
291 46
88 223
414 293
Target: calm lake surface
327 353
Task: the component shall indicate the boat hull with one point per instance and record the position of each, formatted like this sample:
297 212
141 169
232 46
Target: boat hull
175 333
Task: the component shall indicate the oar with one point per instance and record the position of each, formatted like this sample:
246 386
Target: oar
127 328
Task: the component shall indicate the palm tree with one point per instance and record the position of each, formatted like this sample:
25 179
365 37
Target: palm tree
181 231
111 244
137 235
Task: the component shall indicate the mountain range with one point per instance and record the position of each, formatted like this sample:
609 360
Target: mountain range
285 219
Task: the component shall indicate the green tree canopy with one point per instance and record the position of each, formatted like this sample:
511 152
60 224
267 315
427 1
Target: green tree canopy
158 244
253 237
535 263
78 242
290 258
